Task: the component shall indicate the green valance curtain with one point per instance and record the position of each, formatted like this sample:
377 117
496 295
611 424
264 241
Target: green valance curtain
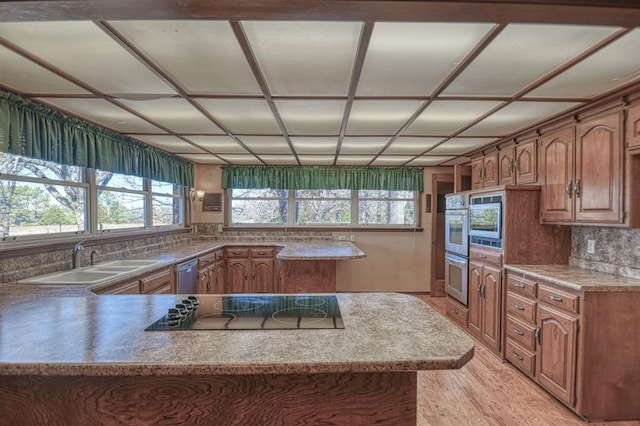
325 177
37 131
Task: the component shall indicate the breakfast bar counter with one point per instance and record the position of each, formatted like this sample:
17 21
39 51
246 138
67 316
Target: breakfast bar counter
73 357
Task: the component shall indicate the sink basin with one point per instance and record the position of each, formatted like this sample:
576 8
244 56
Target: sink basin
92 274
128 263
75 276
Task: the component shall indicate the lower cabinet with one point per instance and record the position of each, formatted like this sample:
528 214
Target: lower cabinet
251 270
485 297
211 273
159 282
576 345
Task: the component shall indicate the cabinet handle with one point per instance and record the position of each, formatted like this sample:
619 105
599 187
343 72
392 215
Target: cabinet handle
262 252
510 166
519 285
518 306
577 188
518 331
246 277
537 335
570 188
555 298
455 311
482 256
209 285
518 166
482 287
518 356
253 274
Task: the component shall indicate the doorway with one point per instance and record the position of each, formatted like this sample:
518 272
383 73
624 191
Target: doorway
441 184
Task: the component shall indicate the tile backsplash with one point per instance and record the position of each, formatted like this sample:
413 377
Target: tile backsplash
616 250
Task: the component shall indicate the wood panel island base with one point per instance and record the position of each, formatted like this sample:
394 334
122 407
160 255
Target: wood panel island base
308 276
91 367
328 399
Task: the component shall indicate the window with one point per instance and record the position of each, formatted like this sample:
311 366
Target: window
40 199
270 207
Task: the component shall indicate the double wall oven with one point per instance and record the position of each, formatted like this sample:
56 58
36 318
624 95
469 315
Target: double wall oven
457 246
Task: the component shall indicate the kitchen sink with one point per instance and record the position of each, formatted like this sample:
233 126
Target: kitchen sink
73 277
91 274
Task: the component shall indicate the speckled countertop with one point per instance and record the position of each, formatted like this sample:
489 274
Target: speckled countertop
67 331
579 279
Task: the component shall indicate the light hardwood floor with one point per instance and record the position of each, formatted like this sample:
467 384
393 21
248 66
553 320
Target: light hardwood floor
488 392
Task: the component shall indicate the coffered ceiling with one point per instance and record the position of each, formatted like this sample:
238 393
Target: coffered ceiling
316 92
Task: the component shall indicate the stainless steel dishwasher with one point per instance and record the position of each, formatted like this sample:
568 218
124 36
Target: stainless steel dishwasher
187 277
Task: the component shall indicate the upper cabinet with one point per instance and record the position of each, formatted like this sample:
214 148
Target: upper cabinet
484 171
582 172
517 165
633 128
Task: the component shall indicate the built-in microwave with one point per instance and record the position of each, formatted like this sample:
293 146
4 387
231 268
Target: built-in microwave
485 217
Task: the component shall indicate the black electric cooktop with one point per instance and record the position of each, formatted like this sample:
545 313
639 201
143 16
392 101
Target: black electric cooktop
252 312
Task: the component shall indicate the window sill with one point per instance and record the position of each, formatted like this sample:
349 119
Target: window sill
321 229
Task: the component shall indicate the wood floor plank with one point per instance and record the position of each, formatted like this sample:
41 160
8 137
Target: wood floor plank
488 392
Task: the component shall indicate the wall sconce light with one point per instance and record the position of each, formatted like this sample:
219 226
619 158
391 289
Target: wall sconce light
197 195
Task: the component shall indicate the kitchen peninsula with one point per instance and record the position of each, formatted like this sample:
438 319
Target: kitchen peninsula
70 357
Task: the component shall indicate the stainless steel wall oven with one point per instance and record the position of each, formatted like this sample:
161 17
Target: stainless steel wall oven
457 246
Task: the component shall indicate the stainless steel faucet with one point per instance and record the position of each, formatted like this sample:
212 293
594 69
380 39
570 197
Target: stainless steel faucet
76 254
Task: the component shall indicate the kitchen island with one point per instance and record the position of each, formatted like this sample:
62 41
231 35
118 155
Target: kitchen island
69 357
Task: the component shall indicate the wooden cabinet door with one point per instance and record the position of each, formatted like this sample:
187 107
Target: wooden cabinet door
204 281
557 162
491 299
475 301
633 127
262 275
599 163
218 278
490 172
506 166
238 274
557 353
477 172
526 163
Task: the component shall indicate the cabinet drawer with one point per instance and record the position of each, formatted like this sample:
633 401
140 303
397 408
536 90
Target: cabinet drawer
206 260
457 313
151 283
520 357
522 333
163 290
521 308
236 252
521 286
551 296
262 252
486 256
132 287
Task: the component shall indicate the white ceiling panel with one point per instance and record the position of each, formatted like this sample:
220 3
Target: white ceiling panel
25 76
316 160
615 65
104 113
202 56
86 52
305 58
279 159
410 59
383 117
521 54
266 144
411 145
218 144
169 143
176 114
459 146
203 158
362 145
242 116
355 160
315 145
445 117
516 116
241 159
311 117
429 160
391 160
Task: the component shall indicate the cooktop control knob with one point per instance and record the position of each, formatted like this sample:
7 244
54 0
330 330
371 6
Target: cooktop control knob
194 300
182 309
188 304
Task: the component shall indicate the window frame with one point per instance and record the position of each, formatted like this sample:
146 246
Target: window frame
354 224
89 184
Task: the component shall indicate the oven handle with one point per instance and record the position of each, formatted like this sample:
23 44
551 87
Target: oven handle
455 260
